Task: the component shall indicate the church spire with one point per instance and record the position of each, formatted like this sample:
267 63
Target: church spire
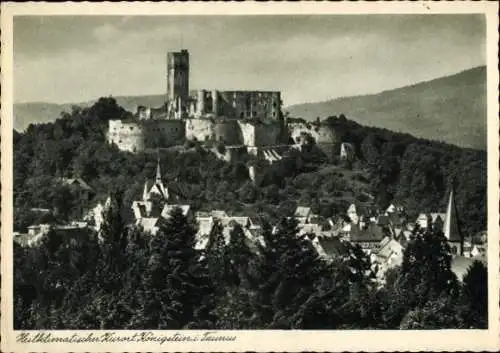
158 171
451 229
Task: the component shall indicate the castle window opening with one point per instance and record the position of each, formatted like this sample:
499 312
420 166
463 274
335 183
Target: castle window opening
131 128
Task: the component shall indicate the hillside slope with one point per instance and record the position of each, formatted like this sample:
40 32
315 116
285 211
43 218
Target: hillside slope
451 109
41 112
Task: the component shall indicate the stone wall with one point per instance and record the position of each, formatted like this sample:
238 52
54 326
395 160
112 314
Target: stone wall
163 133
322 134
200 129
260 134
135 136
127 136
239 104
226 131
229 132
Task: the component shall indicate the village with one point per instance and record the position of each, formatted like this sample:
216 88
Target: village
381 234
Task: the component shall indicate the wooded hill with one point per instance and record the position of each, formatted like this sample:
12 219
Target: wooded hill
451 109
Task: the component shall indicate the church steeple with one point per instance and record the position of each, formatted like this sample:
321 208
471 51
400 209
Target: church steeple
158 171
451 228
145 192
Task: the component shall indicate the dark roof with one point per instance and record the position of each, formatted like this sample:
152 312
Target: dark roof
332 246
77 182
372 233
395 219
383 220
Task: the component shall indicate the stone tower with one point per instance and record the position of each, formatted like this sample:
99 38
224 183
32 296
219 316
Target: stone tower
178 79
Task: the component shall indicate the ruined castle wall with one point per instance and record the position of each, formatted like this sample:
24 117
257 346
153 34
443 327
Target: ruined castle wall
128 136
163 132
199 129
250 104
260 134
135 136
239 104
229 132
322 134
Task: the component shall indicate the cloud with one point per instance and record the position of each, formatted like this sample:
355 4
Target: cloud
69 58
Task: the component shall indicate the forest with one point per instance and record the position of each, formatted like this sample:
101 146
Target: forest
123 279
393 167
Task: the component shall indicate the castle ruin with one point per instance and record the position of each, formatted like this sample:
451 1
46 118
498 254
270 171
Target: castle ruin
236 118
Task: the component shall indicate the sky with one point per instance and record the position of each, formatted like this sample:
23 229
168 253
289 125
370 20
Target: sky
63 59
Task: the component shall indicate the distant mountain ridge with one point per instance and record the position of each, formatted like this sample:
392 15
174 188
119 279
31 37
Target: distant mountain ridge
451 109
42 112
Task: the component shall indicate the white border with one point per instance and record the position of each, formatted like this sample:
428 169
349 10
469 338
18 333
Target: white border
261 340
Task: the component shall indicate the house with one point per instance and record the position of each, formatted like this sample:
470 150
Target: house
389 255
167 210
478 250
148 224
353 214
303 214
330 247
395 208
96 215
368 238
383 221
205 227
84 191
155 205
36 233
431 220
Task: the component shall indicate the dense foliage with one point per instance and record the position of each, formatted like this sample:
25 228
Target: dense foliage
126 279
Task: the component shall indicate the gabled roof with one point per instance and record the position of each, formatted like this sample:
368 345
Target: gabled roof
149 224
205 224
389 246
435 216
242 221
313 228
383 220
432 217
219 214
78 182
332 246
302 211
352 209
396 220
167 209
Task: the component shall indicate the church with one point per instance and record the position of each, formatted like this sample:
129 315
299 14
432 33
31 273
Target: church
156 203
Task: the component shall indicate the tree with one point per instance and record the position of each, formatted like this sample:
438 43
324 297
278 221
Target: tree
439 313
176 283
425 275
217 257
239 256
288 268
474 296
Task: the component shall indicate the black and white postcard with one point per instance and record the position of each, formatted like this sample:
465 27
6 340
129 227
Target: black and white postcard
250 177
